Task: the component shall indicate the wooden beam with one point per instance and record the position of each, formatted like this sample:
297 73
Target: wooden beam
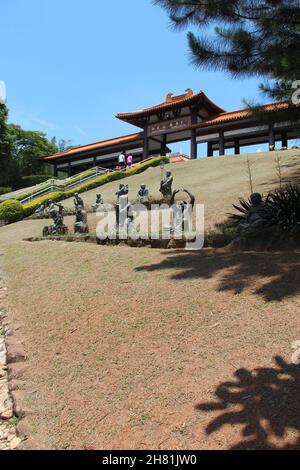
146 143
194 119
237 147
163 149
210 151
193 144
284 139
271 135
221 143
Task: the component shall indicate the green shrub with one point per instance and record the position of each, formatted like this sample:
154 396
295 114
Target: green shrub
34 179
11 211
4 190
144 166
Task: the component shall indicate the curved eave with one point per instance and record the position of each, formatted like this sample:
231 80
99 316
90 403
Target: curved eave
102 145
200 99
242 114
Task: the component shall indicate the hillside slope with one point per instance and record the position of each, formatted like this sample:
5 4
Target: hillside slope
217 182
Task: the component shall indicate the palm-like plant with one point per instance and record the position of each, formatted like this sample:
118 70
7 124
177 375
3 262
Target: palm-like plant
282 210
243 209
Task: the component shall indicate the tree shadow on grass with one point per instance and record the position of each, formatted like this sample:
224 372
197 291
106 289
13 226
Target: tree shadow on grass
279 273
294 173
265 402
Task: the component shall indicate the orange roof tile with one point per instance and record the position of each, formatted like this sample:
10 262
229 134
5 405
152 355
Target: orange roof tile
171 102
97 145
240 114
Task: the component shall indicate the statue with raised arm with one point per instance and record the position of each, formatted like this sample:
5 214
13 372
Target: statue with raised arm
182 211
99 201
122 191
56 211
78 201
166 185
143 193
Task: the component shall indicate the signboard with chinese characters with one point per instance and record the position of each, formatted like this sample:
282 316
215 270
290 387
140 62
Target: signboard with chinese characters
164 127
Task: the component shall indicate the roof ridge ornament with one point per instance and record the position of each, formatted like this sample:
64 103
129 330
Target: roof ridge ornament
189 92
170 98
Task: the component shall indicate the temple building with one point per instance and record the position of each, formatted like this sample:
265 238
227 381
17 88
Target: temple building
190 116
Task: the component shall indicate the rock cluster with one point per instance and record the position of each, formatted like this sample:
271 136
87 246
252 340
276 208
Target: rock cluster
9 439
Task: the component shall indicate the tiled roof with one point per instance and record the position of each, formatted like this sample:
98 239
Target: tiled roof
178 157
97 145
240 114
221 118
171 102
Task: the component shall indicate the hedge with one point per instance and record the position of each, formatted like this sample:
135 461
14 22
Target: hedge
30 207
11 211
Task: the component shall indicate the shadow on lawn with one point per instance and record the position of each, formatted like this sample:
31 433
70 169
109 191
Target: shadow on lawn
265 402
294 173
237 271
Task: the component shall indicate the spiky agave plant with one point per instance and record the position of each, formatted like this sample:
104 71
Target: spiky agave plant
284 208
243 209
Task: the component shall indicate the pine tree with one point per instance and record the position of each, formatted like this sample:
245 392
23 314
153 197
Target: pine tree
250 38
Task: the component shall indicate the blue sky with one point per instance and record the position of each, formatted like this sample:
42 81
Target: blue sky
71 65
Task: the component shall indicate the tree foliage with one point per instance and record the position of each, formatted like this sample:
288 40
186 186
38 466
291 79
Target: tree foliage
27 147
5 150
20 151
246 38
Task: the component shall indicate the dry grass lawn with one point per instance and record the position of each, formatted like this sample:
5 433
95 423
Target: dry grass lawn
140 348
217 182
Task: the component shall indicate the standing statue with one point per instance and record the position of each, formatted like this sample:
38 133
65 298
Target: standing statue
57 215
166 185
99 201
122 191
182 211
124 214
143 194
78 201
80 225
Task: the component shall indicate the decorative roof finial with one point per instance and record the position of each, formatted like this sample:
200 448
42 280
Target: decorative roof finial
189 92
169 97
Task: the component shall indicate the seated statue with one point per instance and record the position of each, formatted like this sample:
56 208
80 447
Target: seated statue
122 191
78 201
143 193
80 225
166 185
257 213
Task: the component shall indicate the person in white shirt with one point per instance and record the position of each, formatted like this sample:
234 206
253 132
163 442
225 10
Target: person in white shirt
122 159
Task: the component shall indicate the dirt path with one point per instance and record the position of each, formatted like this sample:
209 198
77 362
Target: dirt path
139 348
9 439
